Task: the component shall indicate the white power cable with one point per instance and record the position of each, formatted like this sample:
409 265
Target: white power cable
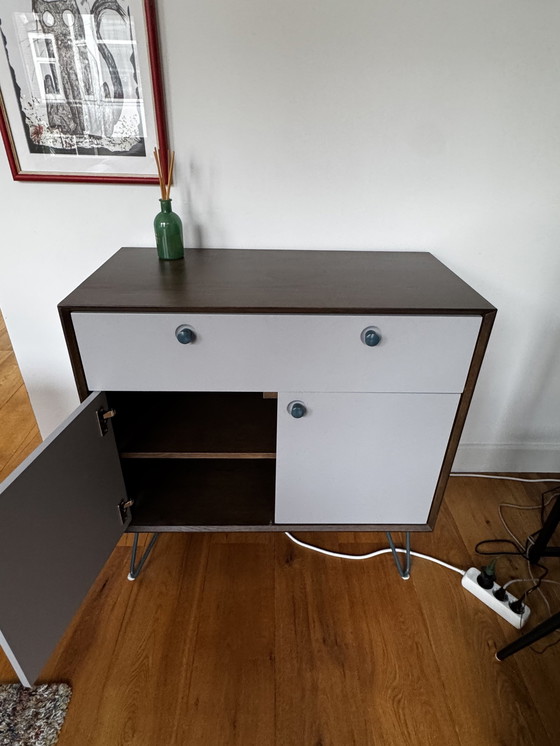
497 476
530 580
369 555
388 550
521 507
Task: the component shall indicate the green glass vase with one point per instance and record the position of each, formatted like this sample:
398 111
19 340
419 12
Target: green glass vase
169 232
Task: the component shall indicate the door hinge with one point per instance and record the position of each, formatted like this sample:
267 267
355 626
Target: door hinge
123 507
103 417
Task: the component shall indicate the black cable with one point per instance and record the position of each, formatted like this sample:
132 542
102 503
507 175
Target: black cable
517 552
542 508
538 582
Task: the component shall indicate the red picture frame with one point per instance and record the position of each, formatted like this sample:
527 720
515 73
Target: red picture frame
158 118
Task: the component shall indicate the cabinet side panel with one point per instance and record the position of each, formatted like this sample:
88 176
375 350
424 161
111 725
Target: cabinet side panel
73 352
462 411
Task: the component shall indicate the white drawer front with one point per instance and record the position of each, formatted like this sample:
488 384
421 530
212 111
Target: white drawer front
361 458
251 352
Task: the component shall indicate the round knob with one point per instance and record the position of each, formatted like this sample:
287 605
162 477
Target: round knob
185 334
371 336
297 409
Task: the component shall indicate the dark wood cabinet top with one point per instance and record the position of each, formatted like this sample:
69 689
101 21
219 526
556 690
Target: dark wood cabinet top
262 281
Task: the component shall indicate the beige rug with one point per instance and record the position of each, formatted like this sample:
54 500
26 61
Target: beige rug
32 717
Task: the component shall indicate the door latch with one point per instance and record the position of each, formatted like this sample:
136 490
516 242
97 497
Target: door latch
123 506
103 417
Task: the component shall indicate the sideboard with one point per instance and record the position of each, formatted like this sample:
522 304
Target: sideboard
238 390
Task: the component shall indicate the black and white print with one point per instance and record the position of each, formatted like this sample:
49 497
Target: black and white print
75 75
81 95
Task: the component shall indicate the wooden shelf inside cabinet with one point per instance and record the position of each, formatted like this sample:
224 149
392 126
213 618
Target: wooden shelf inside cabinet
187 425
200 495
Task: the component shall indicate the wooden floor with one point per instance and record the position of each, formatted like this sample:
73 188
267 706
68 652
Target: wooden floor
18 430
249 639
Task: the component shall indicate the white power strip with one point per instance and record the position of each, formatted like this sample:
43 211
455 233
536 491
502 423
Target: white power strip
470 582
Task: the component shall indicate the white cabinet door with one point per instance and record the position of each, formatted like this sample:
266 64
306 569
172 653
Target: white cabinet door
360 458
59 522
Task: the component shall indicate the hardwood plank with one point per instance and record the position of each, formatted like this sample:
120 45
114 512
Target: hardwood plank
10 377
5 344
127 540
155 647
459 628
19 433
30 442
354 653
232 690
17 421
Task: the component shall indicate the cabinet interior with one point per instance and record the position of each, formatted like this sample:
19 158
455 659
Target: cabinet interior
193 459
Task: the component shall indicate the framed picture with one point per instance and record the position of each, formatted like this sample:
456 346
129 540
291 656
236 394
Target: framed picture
81 95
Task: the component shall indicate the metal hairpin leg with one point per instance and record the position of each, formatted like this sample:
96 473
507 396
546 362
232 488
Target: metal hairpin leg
135 568
403 572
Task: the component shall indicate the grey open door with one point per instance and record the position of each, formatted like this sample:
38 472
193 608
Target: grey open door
59 522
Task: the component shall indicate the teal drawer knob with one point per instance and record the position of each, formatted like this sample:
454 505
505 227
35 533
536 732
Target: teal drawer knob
371 336
185 334
297 409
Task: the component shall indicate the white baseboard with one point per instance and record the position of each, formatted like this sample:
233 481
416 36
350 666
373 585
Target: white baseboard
508 457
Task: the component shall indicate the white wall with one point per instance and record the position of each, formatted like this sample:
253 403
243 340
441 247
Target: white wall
371 124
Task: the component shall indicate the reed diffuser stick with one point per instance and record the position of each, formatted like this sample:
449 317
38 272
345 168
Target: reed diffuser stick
160 174
171 162
165 186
